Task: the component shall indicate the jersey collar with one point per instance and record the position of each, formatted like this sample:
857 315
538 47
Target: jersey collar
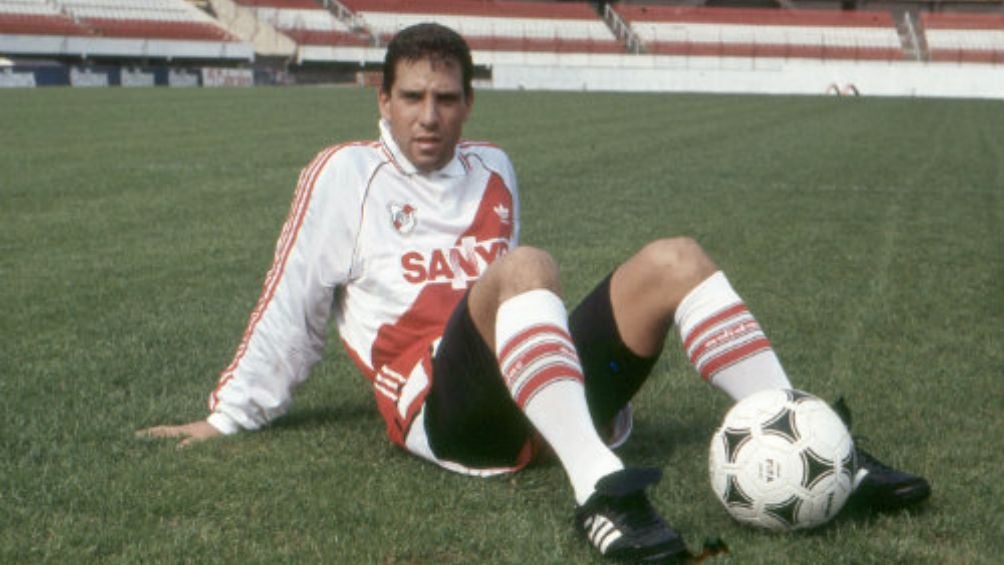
454 168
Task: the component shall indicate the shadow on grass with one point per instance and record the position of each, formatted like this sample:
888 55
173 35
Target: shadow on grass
352 416
656 438
858 511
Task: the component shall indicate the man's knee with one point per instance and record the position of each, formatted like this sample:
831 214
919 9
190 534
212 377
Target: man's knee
677 261
528 268
520 270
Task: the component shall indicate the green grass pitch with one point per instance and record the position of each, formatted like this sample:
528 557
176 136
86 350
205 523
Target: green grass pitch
136 227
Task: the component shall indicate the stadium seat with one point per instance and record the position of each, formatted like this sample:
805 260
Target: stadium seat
286 4
151 19
307 23
964 37
497 25
764 32
35 17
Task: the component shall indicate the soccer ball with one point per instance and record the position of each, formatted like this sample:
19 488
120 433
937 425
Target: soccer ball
782 460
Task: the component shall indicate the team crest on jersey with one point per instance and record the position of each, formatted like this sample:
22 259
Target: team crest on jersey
402 216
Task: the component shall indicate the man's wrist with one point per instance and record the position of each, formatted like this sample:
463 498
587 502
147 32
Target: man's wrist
223 423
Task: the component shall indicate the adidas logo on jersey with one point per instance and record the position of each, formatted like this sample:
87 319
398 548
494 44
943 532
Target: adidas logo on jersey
457 265
503 213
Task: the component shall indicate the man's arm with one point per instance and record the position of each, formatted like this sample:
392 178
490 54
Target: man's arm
286 330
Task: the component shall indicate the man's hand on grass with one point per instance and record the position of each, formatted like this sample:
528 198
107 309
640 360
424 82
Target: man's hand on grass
190 433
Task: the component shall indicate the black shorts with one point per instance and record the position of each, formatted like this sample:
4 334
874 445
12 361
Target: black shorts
471 418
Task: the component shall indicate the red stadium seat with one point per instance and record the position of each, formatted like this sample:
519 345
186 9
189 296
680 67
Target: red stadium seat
498 25
764 32
37 24
305 4
965 38
157 29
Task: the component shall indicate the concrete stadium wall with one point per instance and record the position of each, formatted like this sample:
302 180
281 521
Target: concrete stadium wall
664 73
73 46
761 76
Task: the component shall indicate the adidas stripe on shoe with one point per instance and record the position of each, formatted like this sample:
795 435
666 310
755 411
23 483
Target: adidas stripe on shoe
620 522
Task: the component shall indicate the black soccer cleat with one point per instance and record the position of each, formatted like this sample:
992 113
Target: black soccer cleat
878 486
620 522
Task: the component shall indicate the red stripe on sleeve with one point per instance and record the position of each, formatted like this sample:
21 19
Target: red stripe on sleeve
290 230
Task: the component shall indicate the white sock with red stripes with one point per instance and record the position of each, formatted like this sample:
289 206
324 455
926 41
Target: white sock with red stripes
725 343
542 371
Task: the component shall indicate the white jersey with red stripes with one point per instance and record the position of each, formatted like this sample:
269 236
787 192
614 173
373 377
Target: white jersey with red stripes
388 252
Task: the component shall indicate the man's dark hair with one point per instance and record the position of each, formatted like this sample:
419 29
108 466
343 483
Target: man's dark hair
428 41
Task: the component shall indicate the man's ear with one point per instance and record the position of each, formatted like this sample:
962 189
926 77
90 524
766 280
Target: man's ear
383 103
469 99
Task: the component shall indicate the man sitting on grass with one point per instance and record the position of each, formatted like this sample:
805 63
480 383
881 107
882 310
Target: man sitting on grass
411 242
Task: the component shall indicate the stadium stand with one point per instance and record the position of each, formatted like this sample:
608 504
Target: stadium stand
71 32
305 4
764 32
161 19
152 19
497 25
37 17
514 41
307 22
964 37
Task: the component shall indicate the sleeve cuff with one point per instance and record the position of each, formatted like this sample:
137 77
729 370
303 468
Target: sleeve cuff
223 423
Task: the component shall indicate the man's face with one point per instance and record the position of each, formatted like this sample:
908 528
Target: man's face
426 109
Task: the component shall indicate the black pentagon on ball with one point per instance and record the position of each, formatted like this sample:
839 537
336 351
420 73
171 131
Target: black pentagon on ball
815 467
849 464
734 439
786 511
783 424
797 396
734 495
